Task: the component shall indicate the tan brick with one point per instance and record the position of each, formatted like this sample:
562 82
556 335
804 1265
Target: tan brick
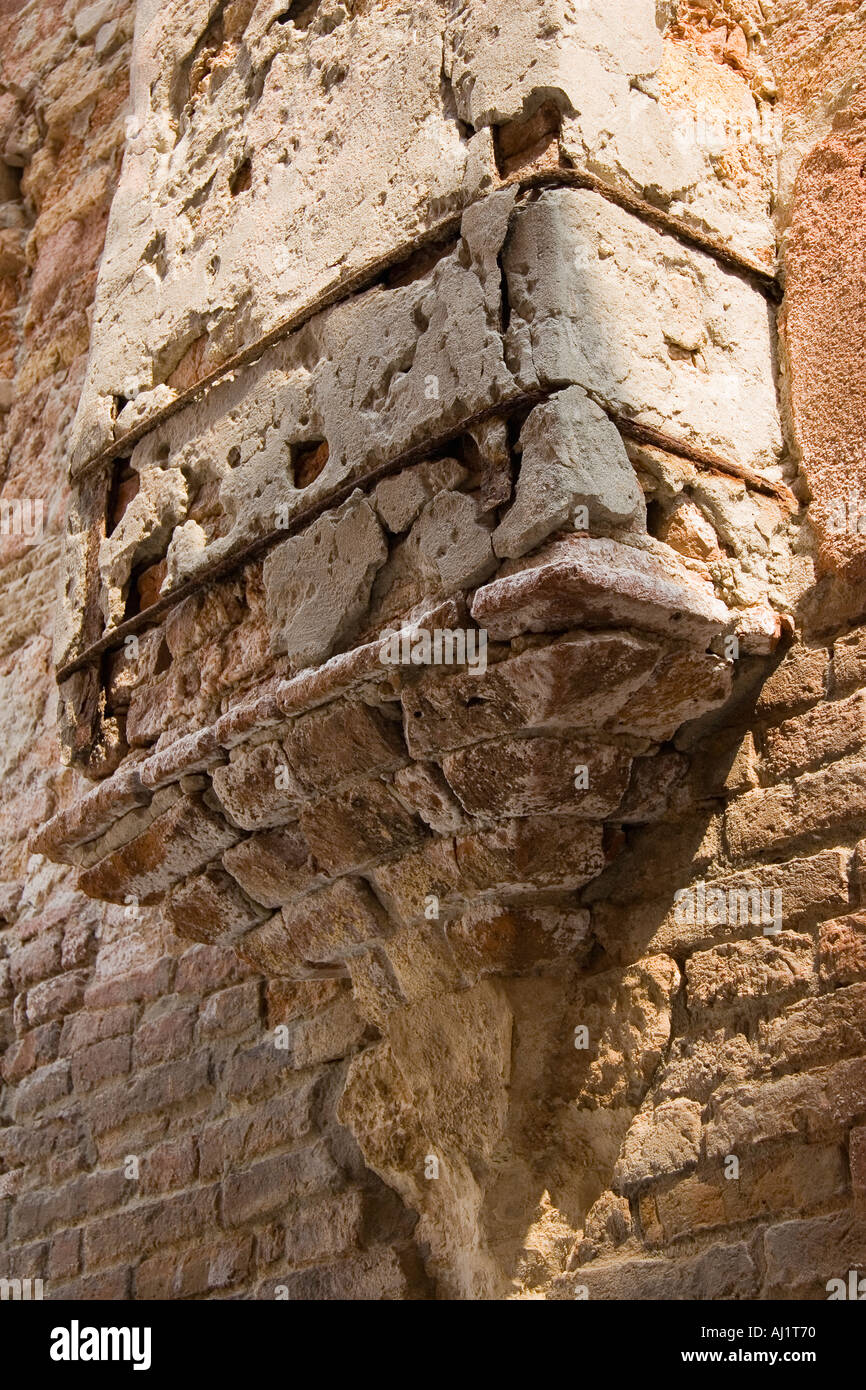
357 829
266 1187
820 1105
183 839
802 1256
785 1184
842 950
781 966
826 732
800 679
525 777
211 905
827 800
342 743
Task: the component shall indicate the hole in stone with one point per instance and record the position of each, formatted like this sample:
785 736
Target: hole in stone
242 178
145 583
308 461
301 13
419 264
655 516
124 485
119 403
234 456
163 659
529 142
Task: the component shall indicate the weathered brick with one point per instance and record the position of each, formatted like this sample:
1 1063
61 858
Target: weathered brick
857 1160
131 968
842 950
323 1230
42 1089
83 1029
211 905
772 816
108 1286
232 1011
168 1166
780 966
257 788
800 679
258 1070
35 1213
137 1230
230 1143
223 1264
266 1187
820 1105
802 1256
56 997
275 866
358 828
342 743
825 732
166 1031
815 1032
785 1184
379 1275
525 777
205 968
38 960
64 1256
173 1083
660 1142
35 1049
101 1062
328 925
849 662
183 839
291 999
721 1273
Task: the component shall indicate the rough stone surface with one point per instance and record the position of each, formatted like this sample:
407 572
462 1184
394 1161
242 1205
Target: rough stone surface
385 1003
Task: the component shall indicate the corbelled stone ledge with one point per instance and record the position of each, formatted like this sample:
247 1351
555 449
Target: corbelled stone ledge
573 583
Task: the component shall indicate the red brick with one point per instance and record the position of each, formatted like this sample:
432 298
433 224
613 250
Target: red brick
42 1089
258 1071
64 1256
38 1212
34 1050
172 1083
164 1033
109 1286
84 1029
